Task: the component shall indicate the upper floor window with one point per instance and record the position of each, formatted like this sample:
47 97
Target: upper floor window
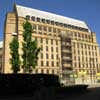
39 27
27 17
48 21
52 22
46 48
43 20
45 28
38 19
33 18
52 49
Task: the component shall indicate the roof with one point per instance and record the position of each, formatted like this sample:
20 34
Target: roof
23 11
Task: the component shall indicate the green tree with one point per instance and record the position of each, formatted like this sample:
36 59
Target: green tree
14 60
30 49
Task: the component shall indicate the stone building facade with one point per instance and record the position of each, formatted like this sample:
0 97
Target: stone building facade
68 45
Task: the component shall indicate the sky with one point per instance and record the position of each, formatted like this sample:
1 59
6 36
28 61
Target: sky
86 10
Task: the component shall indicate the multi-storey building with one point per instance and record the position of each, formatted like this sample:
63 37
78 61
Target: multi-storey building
68 45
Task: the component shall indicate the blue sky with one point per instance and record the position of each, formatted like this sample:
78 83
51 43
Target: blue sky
86 10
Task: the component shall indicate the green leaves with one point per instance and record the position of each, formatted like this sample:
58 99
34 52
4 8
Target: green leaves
14 60
30 50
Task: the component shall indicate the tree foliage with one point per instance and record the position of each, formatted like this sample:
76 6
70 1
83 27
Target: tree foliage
14 60
30 49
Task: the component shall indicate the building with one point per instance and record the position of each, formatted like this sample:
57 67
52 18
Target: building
68 45
1 52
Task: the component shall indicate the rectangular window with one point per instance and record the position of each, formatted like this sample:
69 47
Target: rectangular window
57 56
52 63
49 29
42 47
46 48
51 49
57 64
41 55
51 41
56 42
46 41
34 27
47 63
33 18
45 28
47 56
38 19
41 40
39 27
54 30
52 56
41 63
56 49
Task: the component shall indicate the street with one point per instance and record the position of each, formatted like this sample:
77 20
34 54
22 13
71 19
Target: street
92 94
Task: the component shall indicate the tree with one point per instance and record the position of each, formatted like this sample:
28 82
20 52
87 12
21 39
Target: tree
14 60
30 49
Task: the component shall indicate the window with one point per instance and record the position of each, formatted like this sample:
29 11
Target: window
52 22
95 47
27 17
52 63
43 20
51 41
39 27
41 63
48 21
52 49
46 48
54 30
52 56
47 71
42 71
40 32
45 28
56 49
33 18
56 42
36 71
56 23
35 39
41 55
86 36
41 40
38 19
57 56
52 71
46 41
47 56
77 45
59 31
47 63
41 47
57 64
88 47
34 26
49 29
81 45
85 46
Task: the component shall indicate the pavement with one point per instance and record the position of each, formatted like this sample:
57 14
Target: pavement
91 94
